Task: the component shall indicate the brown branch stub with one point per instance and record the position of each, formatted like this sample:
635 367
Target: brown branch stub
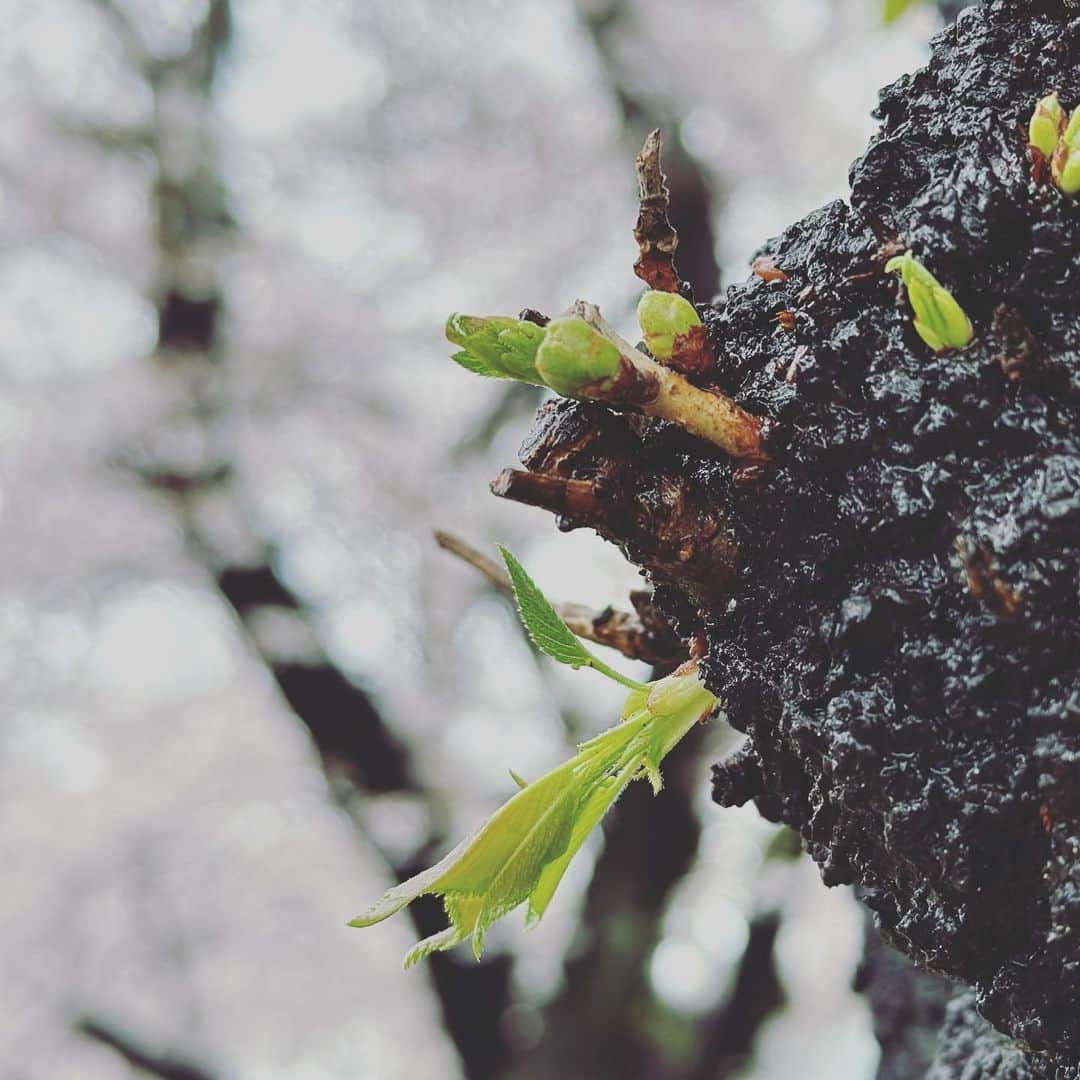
575 499
625 631
654 233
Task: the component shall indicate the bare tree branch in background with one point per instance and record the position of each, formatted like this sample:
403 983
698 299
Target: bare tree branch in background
908 1007
359 752
693 197
138 1055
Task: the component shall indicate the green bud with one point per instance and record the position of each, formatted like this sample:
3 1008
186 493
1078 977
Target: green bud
678 694
1065 164
496 346
1044 128
939 320
663 316
573 355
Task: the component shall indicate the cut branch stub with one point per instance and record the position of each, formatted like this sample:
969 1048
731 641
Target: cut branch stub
654 233
575 499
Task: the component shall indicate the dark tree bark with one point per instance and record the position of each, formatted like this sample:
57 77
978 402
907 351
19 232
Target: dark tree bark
890 599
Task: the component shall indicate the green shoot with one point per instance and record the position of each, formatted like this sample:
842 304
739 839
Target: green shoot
939 320
1046 125
1065 164
496 346
580 356
521 853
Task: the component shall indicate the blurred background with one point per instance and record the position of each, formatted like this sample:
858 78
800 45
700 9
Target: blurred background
245 689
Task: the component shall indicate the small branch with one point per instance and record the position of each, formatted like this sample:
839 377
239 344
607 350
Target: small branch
657 391
138 1056
623 631
574 498
655 236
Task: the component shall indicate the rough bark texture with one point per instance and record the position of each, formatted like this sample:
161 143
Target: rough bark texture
891 603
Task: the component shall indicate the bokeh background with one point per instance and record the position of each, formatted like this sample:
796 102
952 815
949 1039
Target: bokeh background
244 689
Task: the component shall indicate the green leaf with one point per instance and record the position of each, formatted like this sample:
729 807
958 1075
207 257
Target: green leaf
600 800
496 346
895 8
523 850
546 838
477 365
548 632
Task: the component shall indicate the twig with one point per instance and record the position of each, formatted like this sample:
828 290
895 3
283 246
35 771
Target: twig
658 391
575 499
654 233
623 631
163 1065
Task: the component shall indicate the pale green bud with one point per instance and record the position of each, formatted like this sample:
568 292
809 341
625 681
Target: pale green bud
663 316
573 355
939 320
1044 128
678 694
676 704
1065 164
496 346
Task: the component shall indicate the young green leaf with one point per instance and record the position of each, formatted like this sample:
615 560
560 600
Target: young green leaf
524 849
939 320
496 346
548 632
1065 164
1046 125
477 365
600 800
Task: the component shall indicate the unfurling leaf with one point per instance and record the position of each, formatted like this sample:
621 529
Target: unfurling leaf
939 320
496 346
548 632
522 852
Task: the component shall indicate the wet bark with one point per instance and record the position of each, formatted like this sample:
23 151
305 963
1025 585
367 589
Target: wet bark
890 602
